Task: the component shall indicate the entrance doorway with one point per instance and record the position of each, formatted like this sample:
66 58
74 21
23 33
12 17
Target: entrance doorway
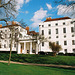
22 47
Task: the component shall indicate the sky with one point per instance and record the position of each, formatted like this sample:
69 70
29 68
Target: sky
35 11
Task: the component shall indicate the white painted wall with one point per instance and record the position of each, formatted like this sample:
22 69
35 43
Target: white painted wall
60 34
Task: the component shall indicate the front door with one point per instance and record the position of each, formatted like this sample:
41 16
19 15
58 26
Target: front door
22 47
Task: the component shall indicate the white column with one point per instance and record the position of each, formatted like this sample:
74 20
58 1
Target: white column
24 47
37 48
19 48
30 47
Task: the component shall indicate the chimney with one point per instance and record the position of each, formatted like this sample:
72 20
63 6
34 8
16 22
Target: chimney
49 18
13 23
0 25
27 28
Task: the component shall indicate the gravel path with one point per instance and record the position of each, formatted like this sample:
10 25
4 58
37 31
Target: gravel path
48 65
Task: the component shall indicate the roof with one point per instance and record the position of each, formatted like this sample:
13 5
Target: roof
63 18
32 32
11 25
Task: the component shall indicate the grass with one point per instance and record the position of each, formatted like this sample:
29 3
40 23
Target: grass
17 69
40 59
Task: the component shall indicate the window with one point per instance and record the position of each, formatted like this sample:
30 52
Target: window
0 45
71 22
5 35
72 35
33 51
56 24
65 42
49 43
65 50
9 45
73 42
56 31
49 25
64 30
72 29
5 40
42 32
0 35
42 43
64 36
63 23
73 50
49 31
20 35
57 37
49 37
27 51
5 30
57 42
4 45
15 35
10 35
42 25
14 45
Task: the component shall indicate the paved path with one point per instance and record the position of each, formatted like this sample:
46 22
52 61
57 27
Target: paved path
48 65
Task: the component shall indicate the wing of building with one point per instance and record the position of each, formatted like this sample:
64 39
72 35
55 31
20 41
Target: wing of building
23 40
60 31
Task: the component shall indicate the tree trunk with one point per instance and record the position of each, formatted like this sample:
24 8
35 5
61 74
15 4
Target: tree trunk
54 53
11 46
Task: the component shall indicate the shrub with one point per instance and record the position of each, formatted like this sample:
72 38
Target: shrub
49 53
69 54
42 53
60 53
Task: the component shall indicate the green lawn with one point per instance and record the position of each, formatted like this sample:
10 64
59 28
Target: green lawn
16 69
40 59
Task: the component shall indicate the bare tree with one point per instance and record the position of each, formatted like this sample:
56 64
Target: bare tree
14 36
55 48
67 7
7 9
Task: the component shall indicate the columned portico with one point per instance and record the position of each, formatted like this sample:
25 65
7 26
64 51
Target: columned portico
27 47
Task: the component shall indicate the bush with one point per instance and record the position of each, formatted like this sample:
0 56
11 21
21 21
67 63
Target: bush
7 52
42 53
60 53
40 59
69 54
49 53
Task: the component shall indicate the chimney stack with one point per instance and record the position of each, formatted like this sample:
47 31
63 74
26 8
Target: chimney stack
0 25
27 28
49 18
13 23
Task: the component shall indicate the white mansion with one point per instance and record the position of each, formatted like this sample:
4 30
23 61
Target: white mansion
59 30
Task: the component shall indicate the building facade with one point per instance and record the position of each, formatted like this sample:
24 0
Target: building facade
60 31
22 42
